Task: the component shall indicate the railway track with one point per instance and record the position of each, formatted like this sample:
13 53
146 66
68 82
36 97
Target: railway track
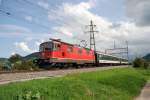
24 76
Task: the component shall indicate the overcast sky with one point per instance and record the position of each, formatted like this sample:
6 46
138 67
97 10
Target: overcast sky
24 24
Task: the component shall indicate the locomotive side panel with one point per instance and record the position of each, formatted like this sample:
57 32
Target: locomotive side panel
65 53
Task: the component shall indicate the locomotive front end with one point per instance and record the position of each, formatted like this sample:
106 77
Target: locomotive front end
45 52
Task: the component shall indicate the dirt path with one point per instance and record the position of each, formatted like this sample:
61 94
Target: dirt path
14 77
145 93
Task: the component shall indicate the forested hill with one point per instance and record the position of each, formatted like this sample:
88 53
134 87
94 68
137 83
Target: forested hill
147 57
31 56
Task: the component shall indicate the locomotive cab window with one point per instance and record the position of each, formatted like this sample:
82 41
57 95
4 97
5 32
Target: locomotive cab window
46 46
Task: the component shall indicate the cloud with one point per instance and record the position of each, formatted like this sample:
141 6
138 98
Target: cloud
28 18
10 30
63 30
0 2
30 44
38 42
72 19
138 11
14 27
43 4
13 53
23 46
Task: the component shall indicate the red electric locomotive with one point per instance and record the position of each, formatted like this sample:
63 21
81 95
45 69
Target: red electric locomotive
56 52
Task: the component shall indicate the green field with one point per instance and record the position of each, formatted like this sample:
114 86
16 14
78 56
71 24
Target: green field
116 84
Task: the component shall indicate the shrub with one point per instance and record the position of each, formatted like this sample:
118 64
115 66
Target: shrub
15 58
1 67
29 95
24 65
146 64
140 63
5 67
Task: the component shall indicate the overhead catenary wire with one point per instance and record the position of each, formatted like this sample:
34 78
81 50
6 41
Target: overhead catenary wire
35 5
9 12
28 12
121 51
21 18
59 21
10 15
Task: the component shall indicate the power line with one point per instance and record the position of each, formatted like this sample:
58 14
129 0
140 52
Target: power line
21 15
8 14
28 13
30 5
33 4
127 50
123 50
59 21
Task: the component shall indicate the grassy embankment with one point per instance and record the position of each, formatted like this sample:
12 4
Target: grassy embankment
116 84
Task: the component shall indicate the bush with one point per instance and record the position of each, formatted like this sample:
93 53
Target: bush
5 67
140 63
15 58
29 95
146 64
1 67
24 65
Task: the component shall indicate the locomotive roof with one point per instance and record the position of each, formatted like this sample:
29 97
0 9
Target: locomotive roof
58 40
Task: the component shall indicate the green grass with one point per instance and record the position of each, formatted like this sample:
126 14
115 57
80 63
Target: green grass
116 84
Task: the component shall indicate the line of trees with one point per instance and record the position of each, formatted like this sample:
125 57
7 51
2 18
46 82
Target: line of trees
16 62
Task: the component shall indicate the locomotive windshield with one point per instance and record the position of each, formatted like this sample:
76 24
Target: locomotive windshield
46 46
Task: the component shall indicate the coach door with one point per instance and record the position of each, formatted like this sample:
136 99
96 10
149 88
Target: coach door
57 49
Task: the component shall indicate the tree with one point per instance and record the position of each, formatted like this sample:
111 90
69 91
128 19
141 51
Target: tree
140 63
14 58
25 65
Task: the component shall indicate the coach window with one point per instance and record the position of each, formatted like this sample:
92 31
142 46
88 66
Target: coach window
80 50
70 49
100 56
